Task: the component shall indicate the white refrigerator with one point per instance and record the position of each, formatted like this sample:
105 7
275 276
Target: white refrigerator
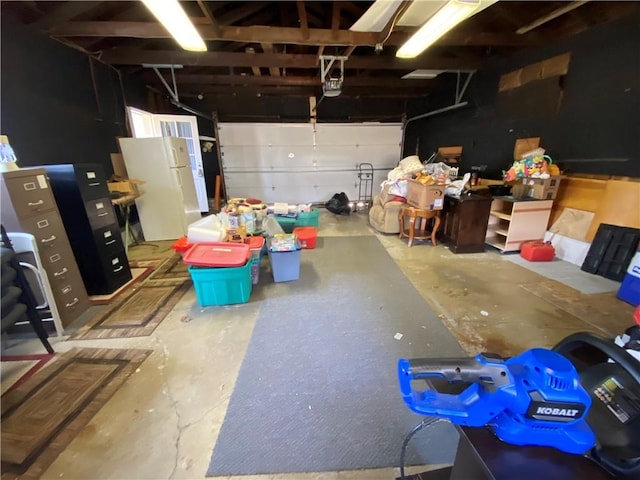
168 204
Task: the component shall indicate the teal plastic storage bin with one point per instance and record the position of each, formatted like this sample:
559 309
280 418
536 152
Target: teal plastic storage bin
308 219
285 266
222 286
287 223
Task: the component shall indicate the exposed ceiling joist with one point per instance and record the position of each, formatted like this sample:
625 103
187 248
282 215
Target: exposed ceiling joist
299 81
292 91
255 70
550 16
236 59
209 15
259 34
268 48
227 33
245 10
302 17
335 17
349 50
63 13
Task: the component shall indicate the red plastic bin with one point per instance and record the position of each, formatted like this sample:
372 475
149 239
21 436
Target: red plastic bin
307 236
221 254
181 245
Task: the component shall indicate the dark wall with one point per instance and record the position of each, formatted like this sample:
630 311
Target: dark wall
296 109
50 109
594 130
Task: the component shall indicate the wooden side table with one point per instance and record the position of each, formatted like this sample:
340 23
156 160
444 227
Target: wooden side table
421 216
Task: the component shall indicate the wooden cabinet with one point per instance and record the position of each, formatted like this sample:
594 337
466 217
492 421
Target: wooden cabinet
28 206
465 222
89 218
513 222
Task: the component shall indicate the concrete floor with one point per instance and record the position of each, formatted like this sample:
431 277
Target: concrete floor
164 421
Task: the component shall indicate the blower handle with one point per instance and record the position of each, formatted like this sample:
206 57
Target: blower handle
489 373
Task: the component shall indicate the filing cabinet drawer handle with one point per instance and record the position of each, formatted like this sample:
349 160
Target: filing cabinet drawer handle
36 204
72 304
103 214
61 272
111 242
94 184
118 269
47 240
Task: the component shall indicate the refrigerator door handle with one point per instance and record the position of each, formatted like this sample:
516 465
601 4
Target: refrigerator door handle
178 178
174 155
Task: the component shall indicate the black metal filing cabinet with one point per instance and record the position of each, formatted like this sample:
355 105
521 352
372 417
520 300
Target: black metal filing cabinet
87 213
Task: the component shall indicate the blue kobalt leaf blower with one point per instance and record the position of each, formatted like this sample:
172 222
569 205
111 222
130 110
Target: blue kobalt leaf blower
532 399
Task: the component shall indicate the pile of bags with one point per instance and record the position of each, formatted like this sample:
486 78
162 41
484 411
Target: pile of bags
339 204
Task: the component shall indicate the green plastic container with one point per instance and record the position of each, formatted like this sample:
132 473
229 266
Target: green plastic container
287 223
222 286
308 219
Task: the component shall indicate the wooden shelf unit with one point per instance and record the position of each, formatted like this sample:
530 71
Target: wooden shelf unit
513 222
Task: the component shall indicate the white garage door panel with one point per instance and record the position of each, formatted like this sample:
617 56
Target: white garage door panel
380 156
281 162
281 187
358 134
261 158
250 158
266 133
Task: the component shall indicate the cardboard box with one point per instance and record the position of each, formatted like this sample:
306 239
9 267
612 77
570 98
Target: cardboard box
119 168
126 187
543 188
427 197
452 155
525 145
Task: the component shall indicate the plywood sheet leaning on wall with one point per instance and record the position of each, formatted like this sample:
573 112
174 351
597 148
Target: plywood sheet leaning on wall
620 205
579 193
573 223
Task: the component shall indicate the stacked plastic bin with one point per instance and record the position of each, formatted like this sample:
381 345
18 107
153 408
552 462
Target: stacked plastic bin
256 244
308 219
284 255
307 236
221 272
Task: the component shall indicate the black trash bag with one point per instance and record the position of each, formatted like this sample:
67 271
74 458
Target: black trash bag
339 204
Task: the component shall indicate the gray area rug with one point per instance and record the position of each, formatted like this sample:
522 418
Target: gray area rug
318 389
569 274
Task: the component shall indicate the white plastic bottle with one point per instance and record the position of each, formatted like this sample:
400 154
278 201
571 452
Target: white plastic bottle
7 156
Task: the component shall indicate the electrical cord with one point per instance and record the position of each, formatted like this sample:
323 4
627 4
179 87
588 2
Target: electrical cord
396 17
426 422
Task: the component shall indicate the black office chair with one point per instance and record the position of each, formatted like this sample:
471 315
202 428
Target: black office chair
18 301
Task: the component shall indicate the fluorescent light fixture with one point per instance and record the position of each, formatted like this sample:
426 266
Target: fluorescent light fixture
450 15
423 73
376 16
172 16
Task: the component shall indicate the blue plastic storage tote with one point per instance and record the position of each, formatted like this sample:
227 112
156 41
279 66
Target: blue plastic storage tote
285 266
630 287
